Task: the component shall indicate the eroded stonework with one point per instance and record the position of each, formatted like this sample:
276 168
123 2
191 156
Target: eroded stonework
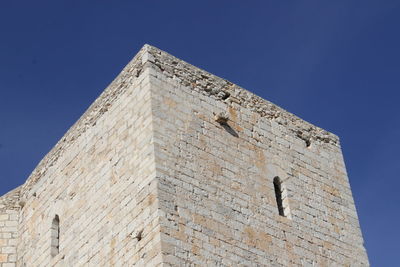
173 166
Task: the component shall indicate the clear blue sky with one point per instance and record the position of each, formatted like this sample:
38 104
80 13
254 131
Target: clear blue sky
335 64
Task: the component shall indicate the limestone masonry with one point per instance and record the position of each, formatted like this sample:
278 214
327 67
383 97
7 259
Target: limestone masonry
173 166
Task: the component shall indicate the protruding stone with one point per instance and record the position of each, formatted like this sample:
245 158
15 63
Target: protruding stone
222 117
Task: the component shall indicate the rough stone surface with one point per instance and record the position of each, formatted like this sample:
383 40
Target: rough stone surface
9 216
173 166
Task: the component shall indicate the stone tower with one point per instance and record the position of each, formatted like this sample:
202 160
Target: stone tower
173 166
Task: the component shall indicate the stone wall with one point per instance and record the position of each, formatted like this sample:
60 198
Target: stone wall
9 216
100 181
216 179
174 166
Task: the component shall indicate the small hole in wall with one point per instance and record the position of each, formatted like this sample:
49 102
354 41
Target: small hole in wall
225 96
284 235
22 203
308 142
139 235
306 139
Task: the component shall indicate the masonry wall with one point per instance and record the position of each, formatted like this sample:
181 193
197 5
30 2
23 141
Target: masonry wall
9 216
148 177
216 181
100 181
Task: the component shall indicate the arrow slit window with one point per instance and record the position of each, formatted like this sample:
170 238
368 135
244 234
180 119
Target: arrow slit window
55 236
281 196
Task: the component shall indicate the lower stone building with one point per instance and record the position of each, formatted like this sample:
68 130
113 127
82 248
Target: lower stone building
173 166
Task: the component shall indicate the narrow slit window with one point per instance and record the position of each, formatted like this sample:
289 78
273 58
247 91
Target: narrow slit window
281 198
55 236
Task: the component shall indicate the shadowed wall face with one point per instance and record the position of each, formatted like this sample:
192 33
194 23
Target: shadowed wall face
92 200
